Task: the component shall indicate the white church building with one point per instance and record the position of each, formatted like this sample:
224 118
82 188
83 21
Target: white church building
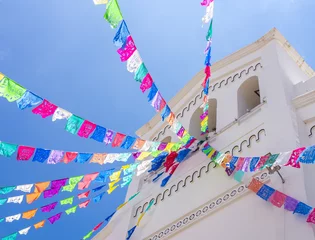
261 100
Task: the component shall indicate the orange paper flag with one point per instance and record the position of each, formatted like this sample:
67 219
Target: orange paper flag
30 198
29 214
39 224
41 187
98 158
138 144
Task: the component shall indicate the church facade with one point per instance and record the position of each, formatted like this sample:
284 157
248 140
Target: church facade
261 100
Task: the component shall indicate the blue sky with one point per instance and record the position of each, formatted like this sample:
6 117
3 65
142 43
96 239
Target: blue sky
63 51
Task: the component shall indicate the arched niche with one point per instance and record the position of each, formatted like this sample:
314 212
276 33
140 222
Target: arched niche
167 139
248 96
212 115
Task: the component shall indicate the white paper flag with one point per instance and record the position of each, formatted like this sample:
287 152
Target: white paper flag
134 62
209 13
96 2
143 167
61 114
110 158
24 231
146 146
12 218
24 188
18 199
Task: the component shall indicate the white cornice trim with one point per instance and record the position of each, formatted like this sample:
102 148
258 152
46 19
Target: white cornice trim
304 100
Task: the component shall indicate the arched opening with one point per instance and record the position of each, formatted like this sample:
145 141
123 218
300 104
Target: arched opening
194 125
248 96
167 139
212 115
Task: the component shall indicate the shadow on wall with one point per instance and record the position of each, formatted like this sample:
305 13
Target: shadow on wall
248 96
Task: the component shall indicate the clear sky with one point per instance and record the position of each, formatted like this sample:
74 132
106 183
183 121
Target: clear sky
63 51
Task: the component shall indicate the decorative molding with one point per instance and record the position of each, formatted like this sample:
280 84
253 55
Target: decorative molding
248 142
304 100
311 131
205 210
174 188
201 94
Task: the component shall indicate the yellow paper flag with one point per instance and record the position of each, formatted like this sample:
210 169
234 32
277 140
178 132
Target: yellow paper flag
109 191
115 176
111 184
96 2
169 147
143 155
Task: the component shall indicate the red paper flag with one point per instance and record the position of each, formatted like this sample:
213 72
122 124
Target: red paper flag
118 139
277 199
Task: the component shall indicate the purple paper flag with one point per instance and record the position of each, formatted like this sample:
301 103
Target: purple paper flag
55 157
156 102
136 155
181 132
54 218
162 146
49 207
58 183
109 137
290 204
51 192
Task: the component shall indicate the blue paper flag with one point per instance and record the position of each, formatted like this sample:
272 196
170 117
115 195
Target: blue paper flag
253 163
307 156
302 208
99 134
103 176
28 100
41 155
182 155
130 232
153 91
109 217
232 163
129 141
157 177
98 188
265 192
165 180
208 58
98 197
120 38
83 157
166 112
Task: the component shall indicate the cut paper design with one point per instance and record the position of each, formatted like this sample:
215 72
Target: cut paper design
54 218
113 14
41 187
39 224
146 82
120 38
10 89
73 124
307 156
49 207
25 153
129 141
18 199
28 100
24 188
98 188
41 155
118 139
294 157
45 109
86 129
55 157
24 231
98 197
7 150
71 210
302 208
84 204
29 214
11 237
109 136
255 185
311 217
83 157
103 176
115 176
30 198
86 181
98 158
141 73
51 192
152 93
110 190
99 134
84 195
69 157
126 52
13 218
277 199
3 201
6 190
60 114
134 62
67 201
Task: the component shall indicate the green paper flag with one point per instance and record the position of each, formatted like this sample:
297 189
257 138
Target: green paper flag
113 14
75 180
7 149
209 34
88 235
156 153
73 124
176 147
11 90
186 138
68 188
71 210
141 72
67 201
6 190
3 201
11 237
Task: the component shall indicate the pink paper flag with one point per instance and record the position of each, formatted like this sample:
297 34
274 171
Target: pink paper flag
84 195
294 157
85 183
311 217
45 109
126 52
146 83
25 153
84 204
86 129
